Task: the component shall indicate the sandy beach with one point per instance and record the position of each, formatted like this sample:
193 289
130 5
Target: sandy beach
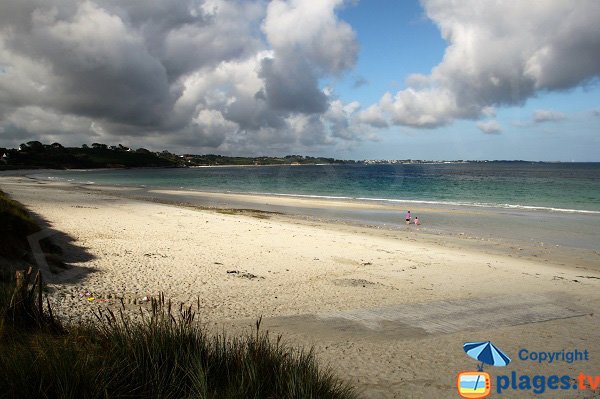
387 306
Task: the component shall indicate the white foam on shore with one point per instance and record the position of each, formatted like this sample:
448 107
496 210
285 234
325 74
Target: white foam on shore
451 203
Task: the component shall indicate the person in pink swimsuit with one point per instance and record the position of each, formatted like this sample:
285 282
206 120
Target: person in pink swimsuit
407 217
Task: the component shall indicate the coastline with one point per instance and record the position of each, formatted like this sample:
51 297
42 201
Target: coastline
307 268
551 201
569 237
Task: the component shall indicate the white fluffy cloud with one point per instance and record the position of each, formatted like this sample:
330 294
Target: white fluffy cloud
499 53
490 127
542 115
372 116
308 41
235 75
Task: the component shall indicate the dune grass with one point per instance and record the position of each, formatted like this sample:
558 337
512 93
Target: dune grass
167 355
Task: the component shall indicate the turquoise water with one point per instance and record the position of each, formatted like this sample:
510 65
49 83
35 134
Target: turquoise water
564 187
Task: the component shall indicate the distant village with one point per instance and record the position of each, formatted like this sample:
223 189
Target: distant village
407 161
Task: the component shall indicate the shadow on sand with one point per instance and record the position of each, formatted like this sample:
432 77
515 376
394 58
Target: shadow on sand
54 252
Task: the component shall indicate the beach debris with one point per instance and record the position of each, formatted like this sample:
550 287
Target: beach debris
155 255
352 282
244 274
218 263
366 263
598 278
91 298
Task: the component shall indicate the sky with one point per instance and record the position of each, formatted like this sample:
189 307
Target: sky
350 79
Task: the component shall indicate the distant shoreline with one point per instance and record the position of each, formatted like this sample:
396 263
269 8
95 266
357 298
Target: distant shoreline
36 155
15 168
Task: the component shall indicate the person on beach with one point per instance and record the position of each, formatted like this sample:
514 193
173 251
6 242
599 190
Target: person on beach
417 221
407 217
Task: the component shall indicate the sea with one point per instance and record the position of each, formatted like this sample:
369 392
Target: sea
554 187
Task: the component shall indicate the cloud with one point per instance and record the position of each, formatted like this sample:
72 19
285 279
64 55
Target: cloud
496 61
541 116
339 118
308 41
489 112
292 87
490 127
90 64
373 116
311 30
233 75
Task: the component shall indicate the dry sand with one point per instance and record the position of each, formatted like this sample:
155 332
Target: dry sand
389 310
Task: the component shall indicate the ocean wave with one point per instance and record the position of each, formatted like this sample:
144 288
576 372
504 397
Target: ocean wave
434 202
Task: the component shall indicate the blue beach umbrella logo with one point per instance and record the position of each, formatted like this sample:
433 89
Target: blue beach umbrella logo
477 384
486 353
